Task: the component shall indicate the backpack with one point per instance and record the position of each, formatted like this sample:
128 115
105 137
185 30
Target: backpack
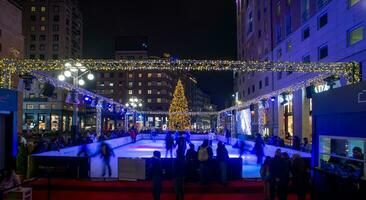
203 154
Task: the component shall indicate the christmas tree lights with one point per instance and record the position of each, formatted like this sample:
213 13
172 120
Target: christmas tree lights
179 104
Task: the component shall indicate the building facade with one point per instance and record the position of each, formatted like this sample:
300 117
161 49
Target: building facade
52 30
11 45
300 31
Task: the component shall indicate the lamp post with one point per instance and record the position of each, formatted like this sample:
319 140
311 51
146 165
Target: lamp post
134 103
273 99
76 72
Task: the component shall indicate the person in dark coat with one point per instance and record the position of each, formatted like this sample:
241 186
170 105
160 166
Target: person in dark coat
191 157
258 149
279 171
222 157
156 174
299 176
181 143
179 169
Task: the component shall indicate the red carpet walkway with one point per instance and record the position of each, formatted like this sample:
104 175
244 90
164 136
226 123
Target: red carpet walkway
122 190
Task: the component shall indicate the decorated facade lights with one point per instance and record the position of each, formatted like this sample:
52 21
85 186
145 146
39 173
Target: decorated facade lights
350 69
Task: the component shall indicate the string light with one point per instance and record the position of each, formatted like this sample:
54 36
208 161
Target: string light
290 89
26 65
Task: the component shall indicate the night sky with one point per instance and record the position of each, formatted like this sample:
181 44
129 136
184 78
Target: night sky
188 29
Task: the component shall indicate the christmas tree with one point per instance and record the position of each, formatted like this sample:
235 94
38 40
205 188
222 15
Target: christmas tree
178 117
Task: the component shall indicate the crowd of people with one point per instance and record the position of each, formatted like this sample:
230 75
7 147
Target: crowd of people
279 171
296 142
186 163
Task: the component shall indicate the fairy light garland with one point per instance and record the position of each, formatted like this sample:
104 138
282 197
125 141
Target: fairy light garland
27 65
294 87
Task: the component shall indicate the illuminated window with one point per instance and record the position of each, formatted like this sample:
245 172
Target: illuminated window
130 75
140 75
159 83
42 106
149 75
43 9
140 91
33 9
129 91
29 106
159 75
149 84
158 100
43 28
43 18
111 84
130 84
149 100
353 2
140 84
149 92
355 35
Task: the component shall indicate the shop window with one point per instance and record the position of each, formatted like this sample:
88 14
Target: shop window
342 154
54 122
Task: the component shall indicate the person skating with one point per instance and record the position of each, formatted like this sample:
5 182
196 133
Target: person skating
181 143
258 149
105 152
169 143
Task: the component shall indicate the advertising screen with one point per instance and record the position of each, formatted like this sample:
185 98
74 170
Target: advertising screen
243 122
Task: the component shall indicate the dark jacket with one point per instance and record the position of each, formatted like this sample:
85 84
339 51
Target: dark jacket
222 154
156 168
191 155
279 170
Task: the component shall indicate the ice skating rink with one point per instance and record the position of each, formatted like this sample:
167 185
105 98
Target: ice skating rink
144 149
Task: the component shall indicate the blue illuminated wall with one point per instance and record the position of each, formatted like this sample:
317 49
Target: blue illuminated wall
339 112
8 129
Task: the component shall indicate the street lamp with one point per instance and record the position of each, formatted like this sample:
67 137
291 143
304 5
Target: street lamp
76 72
134 102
